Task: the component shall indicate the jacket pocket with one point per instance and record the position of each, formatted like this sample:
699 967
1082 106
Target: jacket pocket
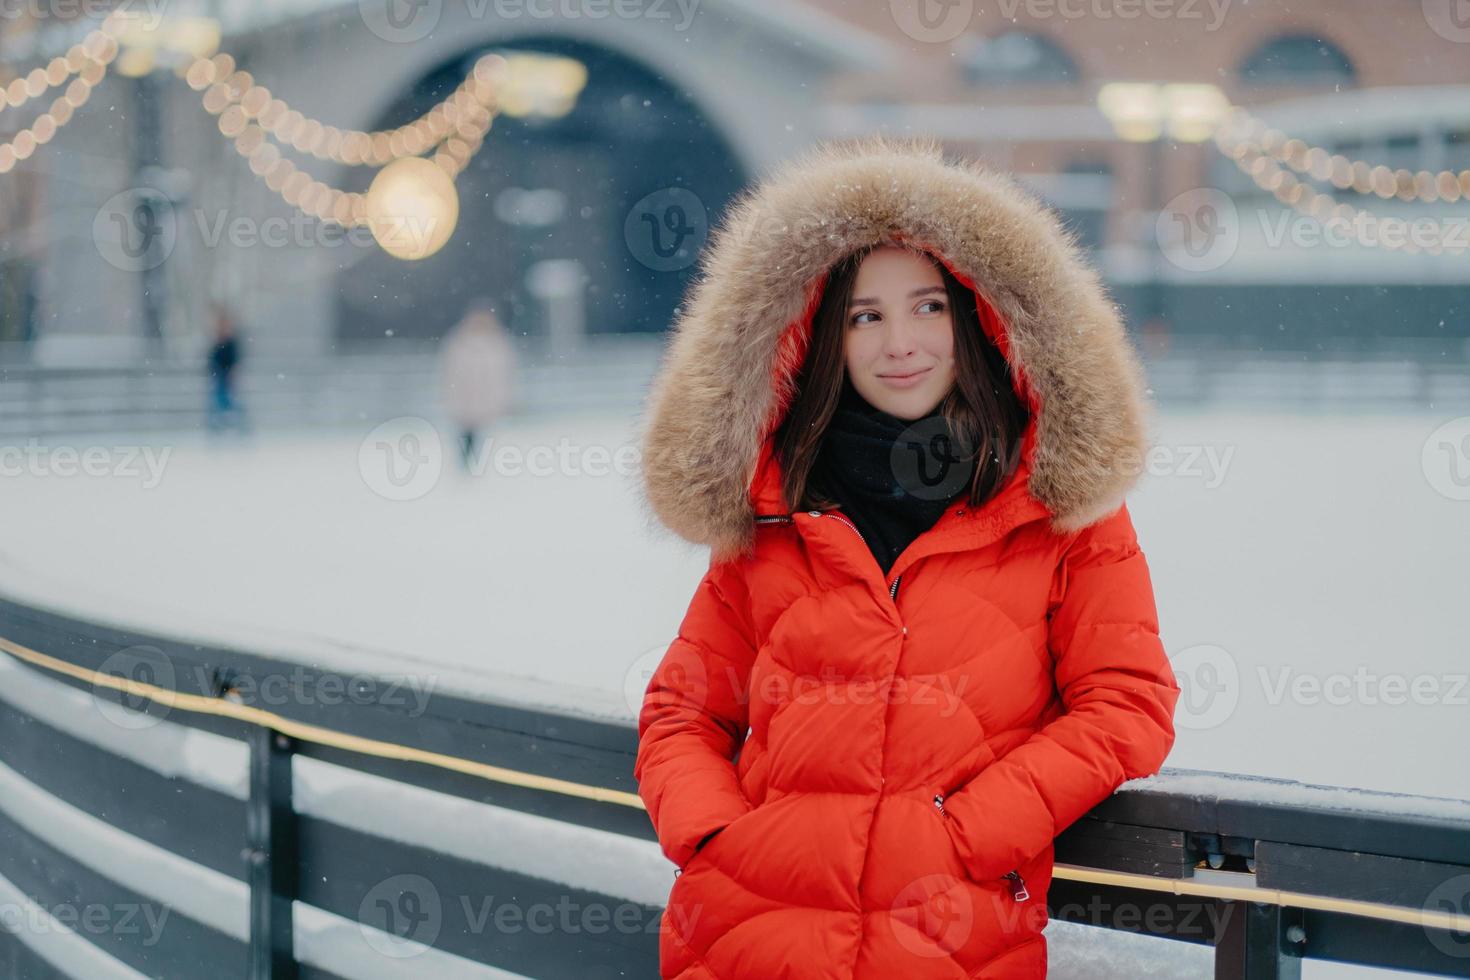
1012 882
937 810
723 830
698 851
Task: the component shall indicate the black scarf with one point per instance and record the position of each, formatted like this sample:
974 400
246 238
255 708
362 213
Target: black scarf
892 477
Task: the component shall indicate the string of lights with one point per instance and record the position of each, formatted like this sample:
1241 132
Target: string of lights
411 206
1264 155
454 129
1241 127
238 99
465 113
86 61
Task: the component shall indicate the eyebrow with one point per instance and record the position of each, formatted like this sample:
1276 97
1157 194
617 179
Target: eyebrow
922 290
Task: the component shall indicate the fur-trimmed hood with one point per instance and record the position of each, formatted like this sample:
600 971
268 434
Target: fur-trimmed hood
728 373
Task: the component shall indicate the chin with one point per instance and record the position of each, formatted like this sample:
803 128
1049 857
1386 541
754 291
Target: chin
912 404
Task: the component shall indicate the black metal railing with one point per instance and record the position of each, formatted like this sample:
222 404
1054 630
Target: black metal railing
1267 872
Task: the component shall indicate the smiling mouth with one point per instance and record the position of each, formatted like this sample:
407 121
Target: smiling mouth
903 377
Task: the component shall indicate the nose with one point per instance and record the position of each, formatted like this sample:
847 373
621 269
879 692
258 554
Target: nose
898 337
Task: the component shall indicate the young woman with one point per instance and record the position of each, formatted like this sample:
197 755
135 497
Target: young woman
903 413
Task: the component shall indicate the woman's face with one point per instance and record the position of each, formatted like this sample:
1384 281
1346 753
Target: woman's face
899 340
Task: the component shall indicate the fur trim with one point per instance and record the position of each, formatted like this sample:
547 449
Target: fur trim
728 369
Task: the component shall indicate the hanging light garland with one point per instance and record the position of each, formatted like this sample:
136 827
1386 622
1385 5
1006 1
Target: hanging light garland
1344 174
468 108
1272 160
87 61
260 125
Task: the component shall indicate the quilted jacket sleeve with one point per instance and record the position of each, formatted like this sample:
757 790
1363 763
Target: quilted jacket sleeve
1118 694
695 715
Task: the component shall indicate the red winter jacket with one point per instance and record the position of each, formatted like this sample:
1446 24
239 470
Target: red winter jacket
888 759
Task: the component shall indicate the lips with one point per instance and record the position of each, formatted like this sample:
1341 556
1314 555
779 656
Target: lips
904 380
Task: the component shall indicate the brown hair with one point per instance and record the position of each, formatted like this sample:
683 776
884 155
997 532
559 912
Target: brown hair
982 407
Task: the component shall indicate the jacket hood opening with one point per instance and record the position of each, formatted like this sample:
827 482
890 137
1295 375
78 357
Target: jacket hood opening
728 374
765 490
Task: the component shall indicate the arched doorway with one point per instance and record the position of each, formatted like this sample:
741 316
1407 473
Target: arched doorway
558 187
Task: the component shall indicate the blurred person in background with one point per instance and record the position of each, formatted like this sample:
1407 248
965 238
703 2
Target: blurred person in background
476 368
223 361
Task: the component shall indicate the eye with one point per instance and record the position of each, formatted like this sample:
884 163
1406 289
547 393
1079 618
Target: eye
938 305
858 317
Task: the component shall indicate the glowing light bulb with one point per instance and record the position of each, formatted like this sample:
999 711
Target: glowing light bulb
412 208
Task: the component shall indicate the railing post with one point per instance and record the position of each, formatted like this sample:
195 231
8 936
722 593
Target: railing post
1258 941
270 853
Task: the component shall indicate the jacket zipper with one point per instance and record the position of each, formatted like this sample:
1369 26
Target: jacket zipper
1013 878
893 586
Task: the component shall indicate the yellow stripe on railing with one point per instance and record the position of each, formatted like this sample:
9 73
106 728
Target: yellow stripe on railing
1268 896
322 736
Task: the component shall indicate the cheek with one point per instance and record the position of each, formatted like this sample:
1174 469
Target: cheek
857 348
940 340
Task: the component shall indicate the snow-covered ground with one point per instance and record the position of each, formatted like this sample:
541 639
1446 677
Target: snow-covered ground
1310 572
